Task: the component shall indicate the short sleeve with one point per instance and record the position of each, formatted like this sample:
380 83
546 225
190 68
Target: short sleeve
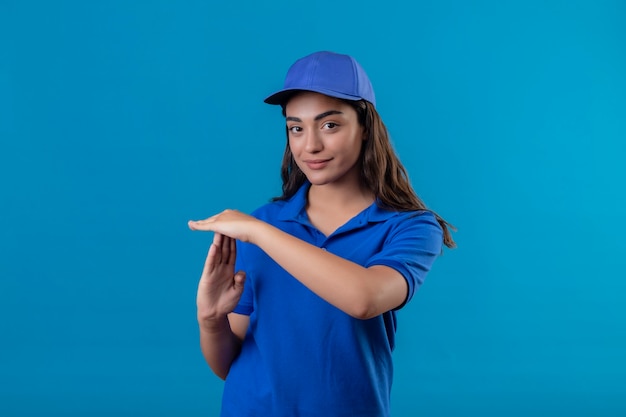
411 248
246 303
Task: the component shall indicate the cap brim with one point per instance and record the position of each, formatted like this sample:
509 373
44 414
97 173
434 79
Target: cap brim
281 97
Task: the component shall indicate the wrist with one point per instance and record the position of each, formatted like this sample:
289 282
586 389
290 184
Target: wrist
213 324
261 231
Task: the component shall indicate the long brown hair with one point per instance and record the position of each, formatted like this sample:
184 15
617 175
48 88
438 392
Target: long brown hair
381 170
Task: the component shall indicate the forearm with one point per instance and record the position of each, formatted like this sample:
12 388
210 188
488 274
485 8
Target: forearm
220 346
358 291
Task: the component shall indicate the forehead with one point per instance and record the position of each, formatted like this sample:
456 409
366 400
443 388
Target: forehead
309 102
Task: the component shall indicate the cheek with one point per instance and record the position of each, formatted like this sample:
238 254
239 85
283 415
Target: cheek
293 145
292 151
357 147
295 153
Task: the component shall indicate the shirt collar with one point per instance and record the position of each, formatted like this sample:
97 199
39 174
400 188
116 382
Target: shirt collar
295 209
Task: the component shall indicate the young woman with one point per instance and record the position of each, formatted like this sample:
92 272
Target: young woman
297 302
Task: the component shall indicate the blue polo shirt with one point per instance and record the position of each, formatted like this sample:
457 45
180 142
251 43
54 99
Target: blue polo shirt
304 357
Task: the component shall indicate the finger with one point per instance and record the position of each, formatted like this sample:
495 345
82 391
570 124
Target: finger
218 239
226 249
233 251
202 225
210 259
193 224
239 280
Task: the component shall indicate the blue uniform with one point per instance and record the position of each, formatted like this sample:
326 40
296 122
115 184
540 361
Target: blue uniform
304 357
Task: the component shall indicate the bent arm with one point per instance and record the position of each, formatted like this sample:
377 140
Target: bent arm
219 291
221 339
358 291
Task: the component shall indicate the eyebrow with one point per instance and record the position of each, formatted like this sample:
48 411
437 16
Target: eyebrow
318 117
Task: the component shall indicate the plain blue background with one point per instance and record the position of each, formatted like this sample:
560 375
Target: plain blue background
121 120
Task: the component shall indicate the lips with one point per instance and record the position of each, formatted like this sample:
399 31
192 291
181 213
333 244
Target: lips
316 164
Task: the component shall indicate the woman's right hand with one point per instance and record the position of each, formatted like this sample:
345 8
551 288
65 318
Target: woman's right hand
219 289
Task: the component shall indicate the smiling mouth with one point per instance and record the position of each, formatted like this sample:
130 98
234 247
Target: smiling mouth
316 163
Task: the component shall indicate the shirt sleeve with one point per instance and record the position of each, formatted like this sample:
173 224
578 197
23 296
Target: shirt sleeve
411 248
246 303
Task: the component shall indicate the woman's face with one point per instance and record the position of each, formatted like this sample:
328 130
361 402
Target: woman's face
325 138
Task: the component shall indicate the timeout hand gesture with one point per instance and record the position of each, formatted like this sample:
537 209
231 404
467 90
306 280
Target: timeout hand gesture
231 223
220 288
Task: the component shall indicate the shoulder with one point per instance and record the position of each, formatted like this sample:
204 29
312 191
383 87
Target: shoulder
402 218
422 217
421 225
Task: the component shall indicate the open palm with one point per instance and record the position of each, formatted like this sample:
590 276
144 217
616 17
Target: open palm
220 288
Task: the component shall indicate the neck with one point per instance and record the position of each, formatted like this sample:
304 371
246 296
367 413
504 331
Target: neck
339 196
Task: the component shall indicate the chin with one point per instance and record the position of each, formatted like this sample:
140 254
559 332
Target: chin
319 180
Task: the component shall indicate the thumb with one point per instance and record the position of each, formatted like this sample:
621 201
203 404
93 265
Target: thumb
239 280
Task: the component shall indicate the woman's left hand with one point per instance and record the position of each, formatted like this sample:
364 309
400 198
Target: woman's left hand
231 223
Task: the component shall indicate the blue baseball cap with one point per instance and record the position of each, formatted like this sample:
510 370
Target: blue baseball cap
328 73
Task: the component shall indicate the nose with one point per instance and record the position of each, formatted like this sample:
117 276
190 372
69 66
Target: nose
313 142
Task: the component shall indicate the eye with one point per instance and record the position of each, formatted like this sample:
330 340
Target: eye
294 129
330 125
